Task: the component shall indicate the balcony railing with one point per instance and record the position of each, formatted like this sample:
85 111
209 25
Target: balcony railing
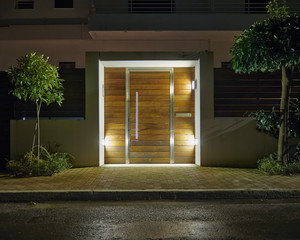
184 6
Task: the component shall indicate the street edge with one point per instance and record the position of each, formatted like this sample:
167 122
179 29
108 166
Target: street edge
144 195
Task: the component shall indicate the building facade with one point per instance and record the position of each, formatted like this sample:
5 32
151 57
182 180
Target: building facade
149 78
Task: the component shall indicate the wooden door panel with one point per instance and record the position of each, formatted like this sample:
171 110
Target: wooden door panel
152 145
150 155
114 118
145 160
184 127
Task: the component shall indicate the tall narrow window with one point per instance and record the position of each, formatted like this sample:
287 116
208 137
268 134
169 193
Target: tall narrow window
151 6
24 4
63 4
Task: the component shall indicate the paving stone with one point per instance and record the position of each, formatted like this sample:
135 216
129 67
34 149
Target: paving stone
157 177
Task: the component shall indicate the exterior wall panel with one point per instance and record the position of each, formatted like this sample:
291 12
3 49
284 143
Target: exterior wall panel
184 126
114 119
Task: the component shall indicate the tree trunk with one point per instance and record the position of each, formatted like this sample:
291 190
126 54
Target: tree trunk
283 145
34 137
38 108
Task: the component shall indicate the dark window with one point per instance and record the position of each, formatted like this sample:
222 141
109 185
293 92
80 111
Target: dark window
66 65
235 95
63 4
24 4
151 6
256 6
73 106
5 116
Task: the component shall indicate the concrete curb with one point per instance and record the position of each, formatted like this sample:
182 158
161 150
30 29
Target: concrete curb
145 195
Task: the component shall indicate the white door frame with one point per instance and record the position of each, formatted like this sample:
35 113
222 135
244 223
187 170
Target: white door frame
150 64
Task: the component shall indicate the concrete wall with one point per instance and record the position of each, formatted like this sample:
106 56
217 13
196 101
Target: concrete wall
173 22
231 142
77 137
61 47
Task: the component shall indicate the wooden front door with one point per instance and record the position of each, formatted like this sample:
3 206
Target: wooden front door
149 112
149 115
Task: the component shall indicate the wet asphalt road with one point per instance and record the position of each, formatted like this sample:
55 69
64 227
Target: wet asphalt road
276 219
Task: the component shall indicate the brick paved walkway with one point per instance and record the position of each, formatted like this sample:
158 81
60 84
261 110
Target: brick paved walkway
175 177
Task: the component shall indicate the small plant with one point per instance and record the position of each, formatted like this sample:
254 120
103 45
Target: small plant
35 79
49 163
269 122
292 168
269 164
297 152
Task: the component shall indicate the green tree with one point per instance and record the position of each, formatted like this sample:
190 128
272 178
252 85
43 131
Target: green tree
271 45
35 79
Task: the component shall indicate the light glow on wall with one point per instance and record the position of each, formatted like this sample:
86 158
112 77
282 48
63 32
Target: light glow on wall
105 142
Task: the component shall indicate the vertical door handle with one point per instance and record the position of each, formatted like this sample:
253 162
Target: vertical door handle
136 115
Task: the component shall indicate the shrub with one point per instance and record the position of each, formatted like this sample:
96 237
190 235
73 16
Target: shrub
292 168
269 164
46 165
297 152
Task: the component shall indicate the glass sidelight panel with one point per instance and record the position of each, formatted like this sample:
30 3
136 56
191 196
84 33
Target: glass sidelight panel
149 110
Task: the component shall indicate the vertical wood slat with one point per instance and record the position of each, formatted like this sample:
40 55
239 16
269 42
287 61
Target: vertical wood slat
153 143
184 127
114 111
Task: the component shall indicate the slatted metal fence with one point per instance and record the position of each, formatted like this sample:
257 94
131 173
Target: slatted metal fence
185 6
235 95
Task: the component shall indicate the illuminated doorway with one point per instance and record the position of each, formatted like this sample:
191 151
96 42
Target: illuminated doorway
149 112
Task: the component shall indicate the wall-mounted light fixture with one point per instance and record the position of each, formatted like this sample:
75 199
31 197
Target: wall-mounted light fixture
194 84
105 142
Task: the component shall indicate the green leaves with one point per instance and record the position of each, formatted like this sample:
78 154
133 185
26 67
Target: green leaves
270 44
269 122
274 10
35 79
29 165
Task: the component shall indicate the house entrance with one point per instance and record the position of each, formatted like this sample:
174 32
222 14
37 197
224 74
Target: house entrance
149 115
